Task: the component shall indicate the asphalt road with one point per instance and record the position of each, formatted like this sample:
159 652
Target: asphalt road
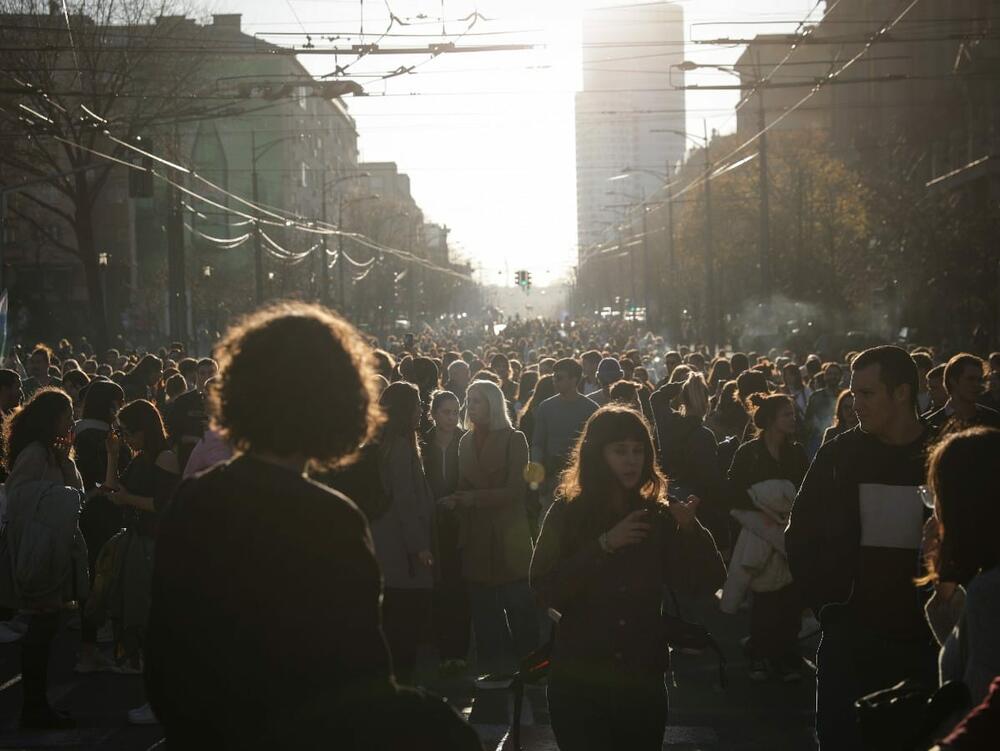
746 716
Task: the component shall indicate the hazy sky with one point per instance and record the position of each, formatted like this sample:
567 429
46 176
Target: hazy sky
488 138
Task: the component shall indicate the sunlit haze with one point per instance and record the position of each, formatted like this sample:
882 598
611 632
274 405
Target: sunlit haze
488 138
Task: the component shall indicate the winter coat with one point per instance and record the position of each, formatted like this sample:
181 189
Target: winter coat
494 535
406 528
46 551
759 563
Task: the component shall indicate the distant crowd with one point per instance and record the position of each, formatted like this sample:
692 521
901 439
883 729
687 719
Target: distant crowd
274 535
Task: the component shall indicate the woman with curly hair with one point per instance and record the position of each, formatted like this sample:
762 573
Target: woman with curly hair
38 449
610 543
265 628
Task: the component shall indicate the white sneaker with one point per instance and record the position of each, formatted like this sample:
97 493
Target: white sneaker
142 715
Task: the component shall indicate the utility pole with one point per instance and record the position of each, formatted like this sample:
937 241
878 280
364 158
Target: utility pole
324 272
672 323
709 249
765 203
341 261
176 282
258 251
647 276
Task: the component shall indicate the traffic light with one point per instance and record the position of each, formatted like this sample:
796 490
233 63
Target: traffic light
523 279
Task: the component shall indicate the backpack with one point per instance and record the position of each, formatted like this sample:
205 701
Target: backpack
362 483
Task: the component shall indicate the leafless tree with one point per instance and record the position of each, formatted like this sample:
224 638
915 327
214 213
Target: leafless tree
69 81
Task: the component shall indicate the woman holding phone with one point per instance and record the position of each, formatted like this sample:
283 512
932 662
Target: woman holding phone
610 544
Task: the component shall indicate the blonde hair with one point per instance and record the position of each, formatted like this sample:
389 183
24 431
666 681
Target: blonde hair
694 396
499 418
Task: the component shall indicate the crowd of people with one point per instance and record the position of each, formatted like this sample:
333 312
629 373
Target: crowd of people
274 535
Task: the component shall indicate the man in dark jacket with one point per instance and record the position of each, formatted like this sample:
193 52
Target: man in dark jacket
853 545
963 380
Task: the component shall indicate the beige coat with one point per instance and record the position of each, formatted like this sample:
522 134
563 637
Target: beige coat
494 536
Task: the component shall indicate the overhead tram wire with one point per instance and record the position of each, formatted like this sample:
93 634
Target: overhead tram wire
317 227
872 39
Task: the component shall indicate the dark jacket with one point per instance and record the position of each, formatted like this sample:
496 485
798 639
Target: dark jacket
840 573
610 603
245 539
441 467
753 463
944 421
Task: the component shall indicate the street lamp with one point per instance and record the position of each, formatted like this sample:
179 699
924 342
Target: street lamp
325 270
758 82
255 154
710 291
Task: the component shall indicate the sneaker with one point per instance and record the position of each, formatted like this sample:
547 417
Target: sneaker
142 715
93 662
760 670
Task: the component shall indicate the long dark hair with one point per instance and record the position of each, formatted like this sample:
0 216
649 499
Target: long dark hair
588 480
545 388
963 476
100 397
398 402
34 422
142 416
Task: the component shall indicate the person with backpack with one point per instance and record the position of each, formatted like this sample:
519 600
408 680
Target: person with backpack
403 534
609 547
452 620
38 451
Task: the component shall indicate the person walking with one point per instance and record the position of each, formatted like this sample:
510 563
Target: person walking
100 518
493 528
853 544
558 422
38 451
451 617
964 378
765 475
143 490
609 545
403 534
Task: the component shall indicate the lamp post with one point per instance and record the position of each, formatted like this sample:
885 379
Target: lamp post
255 154
324 290
764 242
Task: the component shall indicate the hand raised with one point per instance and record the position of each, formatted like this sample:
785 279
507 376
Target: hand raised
629 531
685 512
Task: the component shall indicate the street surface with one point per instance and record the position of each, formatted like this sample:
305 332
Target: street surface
747 716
